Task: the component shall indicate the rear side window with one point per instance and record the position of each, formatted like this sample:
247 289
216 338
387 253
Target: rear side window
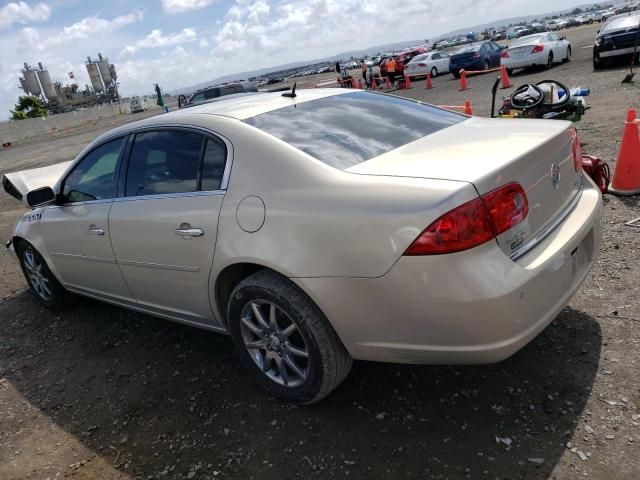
348 129
213 164
164 162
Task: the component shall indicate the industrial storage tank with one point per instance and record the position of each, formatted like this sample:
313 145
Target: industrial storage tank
23 85
112 70
31 80
94 76
47 84
103 65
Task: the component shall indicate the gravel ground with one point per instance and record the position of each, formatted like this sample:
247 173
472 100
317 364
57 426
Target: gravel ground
98 392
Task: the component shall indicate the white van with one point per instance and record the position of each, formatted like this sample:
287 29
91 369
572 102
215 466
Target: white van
138 104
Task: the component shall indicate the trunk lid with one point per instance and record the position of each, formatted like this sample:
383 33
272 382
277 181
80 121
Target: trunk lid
489 153
519 52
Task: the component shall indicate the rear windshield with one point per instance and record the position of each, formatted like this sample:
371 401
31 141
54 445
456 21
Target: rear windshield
345 130
470 48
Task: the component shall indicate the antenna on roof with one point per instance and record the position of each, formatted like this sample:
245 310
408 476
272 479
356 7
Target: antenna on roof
292 93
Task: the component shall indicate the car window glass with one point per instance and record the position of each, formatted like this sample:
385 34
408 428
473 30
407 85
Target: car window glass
215 158
163 162
345 130
198 98
93 177
435 56
444 55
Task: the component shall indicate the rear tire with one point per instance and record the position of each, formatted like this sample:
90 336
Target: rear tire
43 284
487 65
550 60
301 366
568 57
434 72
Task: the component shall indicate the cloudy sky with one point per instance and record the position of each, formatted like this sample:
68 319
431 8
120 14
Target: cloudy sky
183 42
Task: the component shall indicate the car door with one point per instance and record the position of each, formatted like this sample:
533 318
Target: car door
443 62
76 232
495 54
164 227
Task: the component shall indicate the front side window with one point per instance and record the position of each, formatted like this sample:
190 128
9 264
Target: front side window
93 178
163 162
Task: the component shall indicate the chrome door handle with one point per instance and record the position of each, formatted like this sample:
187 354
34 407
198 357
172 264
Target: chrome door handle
96 231
189 232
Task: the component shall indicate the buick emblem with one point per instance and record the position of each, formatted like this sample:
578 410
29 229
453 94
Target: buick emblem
555 175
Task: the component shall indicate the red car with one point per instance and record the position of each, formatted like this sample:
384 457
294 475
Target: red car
401 58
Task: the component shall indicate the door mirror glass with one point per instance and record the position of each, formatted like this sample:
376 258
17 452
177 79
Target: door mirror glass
182 100
40 197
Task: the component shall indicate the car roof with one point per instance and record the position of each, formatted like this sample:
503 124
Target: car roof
239 107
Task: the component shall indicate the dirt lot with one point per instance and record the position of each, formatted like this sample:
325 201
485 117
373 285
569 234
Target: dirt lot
101 392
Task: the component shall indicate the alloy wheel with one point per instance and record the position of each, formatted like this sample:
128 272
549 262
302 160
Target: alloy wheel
275 343
36 274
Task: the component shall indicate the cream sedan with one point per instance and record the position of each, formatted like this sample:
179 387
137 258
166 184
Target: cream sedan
314 234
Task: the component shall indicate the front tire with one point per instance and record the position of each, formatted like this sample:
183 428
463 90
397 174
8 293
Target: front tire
41 281
284 340
568 57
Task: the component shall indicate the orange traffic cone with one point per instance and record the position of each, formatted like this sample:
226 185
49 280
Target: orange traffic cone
429 84
387 82
407 82
464 85
467 108
360 84
504 78
626 177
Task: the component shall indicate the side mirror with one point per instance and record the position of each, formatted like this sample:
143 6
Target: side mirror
40 197
182 100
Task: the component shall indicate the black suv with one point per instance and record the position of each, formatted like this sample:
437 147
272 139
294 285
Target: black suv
616 40
208 94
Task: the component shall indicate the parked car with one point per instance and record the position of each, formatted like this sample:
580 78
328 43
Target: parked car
422 246
137 104
215 91
616 40
477 56
562 23
572 22
516 32
537 27
501 35
539 49
434 63
583 20
607 14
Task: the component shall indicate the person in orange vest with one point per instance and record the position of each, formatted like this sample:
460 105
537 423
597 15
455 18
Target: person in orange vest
363 66
392 66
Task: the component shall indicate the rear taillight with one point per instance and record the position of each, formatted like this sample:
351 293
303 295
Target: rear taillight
474 223
421 65
537 49
577 150
504 54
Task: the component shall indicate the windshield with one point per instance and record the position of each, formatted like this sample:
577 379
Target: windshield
345 130
628 21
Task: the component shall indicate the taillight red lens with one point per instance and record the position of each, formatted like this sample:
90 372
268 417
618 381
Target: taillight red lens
577 150
421 65
473 223
538 48
504 54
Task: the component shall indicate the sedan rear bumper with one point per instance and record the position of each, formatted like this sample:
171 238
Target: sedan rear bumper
476 306
527 61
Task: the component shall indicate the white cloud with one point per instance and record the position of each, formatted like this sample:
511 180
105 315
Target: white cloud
179 6
91 26
203 43
22 12
156 40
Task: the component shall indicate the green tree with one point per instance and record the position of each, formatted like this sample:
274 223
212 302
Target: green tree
28 106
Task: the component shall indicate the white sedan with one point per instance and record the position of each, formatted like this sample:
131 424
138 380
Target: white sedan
434 63
540 49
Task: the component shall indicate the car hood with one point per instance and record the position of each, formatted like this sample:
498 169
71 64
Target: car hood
18 184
